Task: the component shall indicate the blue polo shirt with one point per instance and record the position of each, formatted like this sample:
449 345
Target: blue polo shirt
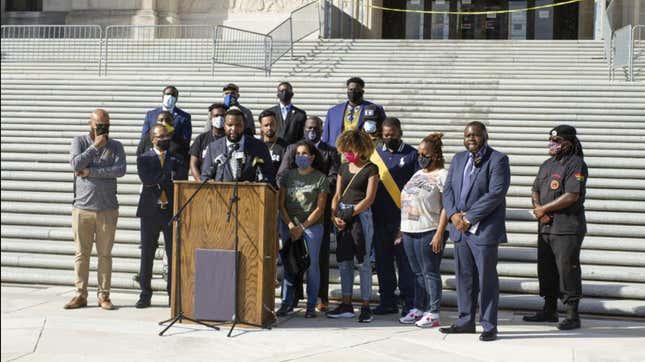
402 164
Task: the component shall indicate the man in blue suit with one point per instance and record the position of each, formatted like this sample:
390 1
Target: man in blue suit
474 197
183 128
157 169
350 114
237 155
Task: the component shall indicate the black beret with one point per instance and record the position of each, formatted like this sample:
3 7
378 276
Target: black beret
564 131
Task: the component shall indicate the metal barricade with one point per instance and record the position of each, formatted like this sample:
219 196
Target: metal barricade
622 58
242 48
305 21
281 40
159 44
52 43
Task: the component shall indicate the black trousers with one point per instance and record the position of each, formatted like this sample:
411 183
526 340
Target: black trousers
323 291
559 266
151 227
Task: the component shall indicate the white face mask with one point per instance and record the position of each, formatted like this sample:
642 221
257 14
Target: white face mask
369 126
169 101
217 122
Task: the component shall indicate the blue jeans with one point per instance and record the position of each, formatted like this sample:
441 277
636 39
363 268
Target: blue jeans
425 264
313 238
346 267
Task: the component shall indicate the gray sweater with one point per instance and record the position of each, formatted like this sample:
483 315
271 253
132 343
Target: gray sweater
97 191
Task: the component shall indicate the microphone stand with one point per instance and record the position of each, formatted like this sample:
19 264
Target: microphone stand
179 317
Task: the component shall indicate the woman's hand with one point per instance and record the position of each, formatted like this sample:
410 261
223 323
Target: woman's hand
295 231
437 243
340 224
399 238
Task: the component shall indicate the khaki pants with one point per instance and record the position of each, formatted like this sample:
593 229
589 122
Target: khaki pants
89 227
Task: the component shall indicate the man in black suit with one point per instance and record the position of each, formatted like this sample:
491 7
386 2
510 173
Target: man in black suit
237 156
331 162
157 168
290 119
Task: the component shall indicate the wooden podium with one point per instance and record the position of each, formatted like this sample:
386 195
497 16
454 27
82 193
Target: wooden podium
204 226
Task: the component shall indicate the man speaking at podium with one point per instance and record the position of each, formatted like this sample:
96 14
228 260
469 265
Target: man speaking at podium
237 156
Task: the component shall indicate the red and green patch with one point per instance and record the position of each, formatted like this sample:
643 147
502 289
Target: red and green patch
580 177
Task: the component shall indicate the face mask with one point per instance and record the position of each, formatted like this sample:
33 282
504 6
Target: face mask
163 145
554 147
285 96
303 161
269 133
312 136
392 143
101 129
217 122
369 127
169 101
424 161
355 96
230 100
351 157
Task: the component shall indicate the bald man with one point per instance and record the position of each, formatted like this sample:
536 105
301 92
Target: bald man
97 161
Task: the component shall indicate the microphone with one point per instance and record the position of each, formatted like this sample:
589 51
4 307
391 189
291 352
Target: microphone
223 159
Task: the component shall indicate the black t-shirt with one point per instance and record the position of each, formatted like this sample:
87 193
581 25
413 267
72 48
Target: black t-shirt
199 146
276 151
555 178
358 189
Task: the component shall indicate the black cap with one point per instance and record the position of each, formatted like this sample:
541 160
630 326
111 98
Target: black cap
564 131
231 86
370 113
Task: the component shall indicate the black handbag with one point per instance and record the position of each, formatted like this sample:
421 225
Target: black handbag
296 254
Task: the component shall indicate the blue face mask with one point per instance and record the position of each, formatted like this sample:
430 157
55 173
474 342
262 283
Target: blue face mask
230 100
369 126
303 161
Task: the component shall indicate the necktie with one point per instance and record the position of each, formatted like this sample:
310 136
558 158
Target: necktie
284 113
163 198
465 184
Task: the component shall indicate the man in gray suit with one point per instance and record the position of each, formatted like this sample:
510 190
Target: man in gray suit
474 197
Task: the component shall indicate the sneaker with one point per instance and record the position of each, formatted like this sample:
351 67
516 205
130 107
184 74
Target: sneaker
284 311
412 316
342 311
428 320
366 315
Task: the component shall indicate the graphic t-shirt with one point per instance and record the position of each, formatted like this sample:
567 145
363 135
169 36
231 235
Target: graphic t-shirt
421 201
302 193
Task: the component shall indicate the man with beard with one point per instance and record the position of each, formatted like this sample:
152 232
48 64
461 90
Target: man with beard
237 156
275 144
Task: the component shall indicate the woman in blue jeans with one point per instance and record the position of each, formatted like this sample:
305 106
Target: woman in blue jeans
355 193
303 196
423 227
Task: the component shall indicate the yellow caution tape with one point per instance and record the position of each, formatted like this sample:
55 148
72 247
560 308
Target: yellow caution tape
474 12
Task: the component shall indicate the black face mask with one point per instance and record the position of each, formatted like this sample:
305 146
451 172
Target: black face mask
424 161
163 145
102 129
312 135
355 96
285 96
392 143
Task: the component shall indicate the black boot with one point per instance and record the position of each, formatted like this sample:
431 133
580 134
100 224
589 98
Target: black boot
549 312
573 319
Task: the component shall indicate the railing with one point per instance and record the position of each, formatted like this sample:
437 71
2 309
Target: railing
242 48
159 44
51 43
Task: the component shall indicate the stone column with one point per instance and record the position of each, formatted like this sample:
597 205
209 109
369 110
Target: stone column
586 17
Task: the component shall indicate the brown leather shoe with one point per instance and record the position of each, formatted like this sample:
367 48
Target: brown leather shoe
105 303
76 302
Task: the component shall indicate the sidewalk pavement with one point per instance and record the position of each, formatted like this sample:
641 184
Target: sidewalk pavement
35 327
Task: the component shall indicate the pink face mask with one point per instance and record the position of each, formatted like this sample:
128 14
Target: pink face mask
351 157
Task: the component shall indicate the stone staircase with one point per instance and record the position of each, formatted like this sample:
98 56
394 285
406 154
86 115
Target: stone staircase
520 89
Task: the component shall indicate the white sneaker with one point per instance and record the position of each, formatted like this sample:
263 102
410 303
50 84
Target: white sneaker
428 320
412 316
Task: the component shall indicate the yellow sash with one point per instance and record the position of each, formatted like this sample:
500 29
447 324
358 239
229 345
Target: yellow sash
386 178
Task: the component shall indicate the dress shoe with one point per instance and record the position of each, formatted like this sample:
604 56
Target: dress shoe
454 329
568 324
105 303
142 303
541 316
488 336
76 302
